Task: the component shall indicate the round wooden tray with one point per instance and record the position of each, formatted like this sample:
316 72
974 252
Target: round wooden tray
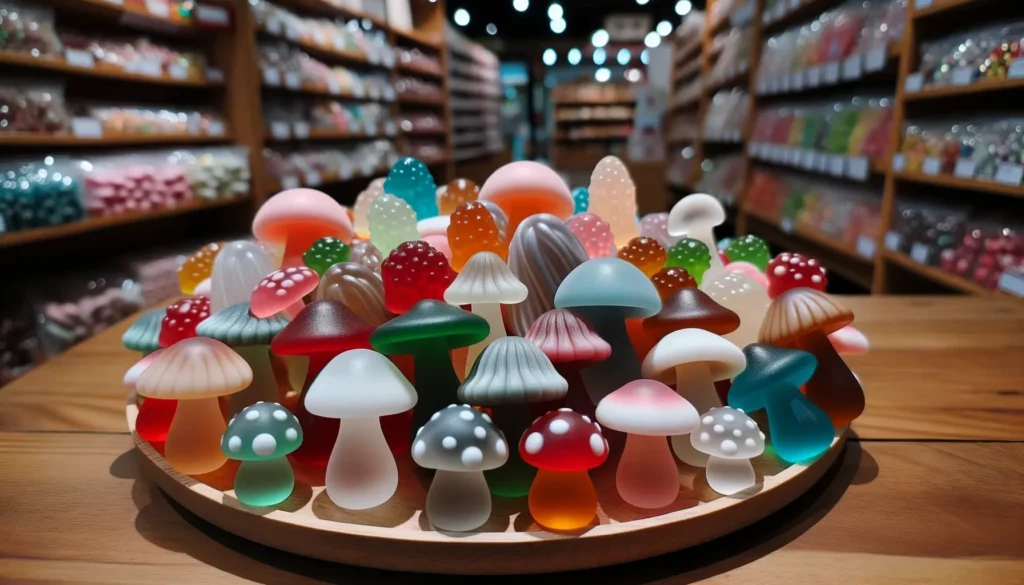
397 535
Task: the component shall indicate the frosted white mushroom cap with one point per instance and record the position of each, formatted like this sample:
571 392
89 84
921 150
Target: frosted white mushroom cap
728 433
695 214
360 383
512 371
434 226
647 407
686 346
459 438
131 377
486 278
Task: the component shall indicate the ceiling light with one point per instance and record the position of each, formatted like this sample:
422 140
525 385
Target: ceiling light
491 29
558 26
623 57
642 2
522 5
645 56
664 28
575 56
599 56
461 17
555 11
600 38
632 75
550 57
603 74
652 39
683 7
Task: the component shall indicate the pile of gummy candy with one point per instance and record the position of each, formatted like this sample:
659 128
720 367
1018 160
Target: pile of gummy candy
446 322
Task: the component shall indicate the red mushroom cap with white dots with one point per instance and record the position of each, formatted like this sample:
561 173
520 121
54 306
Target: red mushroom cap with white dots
282 289
564 440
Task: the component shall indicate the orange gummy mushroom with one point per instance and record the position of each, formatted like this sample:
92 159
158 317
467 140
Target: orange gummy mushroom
472 230
198 267
526 188
644 253
455 194
669 280
298 217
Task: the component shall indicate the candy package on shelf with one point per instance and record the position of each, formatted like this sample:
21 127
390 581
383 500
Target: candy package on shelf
39 192
326 161
422 149
149 120
722 177
682 163
327 34
325 115
593 92
421 122
417 59
971 56
285 65
990 149
419 88
685 126
32 107
138 55
727 115
732 53
27 27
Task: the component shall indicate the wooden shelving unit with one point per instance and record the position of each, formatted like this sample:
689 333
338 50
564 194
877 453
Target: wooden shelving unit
591 120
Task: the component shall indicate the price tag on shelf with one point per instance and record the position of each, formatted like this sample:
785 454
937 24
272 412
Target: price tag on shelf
280 130
79 58
820 162
920 252
784 84
1009 174
919 4
899 163
300 130
158 8
853 67
796 81
292 80
177 71
866 247
1011 282
962 76
274 26
914 83
291 182
213 15
786 225
858 168
807 159
893 241
932 166
813 75
831 74
836 165
83 127
145 67
216 128
271 76
965 168
874 60
1016 69
214 75
312 179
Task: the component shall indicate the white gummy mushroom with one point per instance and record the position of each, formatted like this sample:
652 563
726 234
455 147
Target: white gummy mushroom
460 443
238 268
731 439
360 386
696 216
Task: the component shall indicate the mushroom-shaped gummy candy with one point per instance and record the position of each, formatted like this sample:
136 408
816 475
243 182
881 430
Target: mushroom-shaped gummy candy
359 387
414 271
696 216
802 318
849 340
655 225
358 288
261 436
155 415
367 254
298 217
788 271
750 249
458 192
434 226
606 292
500 219
195 372
694 359
392 222
410 180
800 430
668 280
324 253
594 233
691 255
472 230
526 188
613 198
580 199
731 439
250 337
648 411
745 298
644 253
198 267
486 284
571 344
182 319
750 271
691 308
460 443
361 208
283 290
239 267
563 445
143 335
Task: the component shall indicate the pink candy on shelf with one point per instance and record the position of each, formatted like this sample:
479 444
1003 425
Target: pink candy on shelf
115 191
594 233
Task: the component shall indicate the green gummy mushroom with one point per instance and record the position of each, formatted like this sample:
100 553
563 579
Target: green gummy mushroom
261 436
324 253
691 255
144 334
750 249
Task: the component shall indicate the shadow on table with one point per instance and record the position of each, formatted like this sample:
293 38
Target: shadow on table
157 516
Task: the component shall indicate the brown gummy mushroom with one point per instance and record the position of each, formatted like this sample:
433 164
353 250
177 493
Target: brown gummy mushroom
691 308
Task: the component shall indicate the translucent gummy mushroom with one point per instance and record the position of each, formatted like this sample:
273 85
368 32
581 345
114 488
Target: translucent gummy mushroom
460 443
744 297
750 271
298 217
563 445
751 249
731 439
500 219
361 208
580 199
239 267
428 332
433 226
613 198
262 436
694 359
283 291
392 222
803 318
655 225
849 341
198 267
250 337
510 375
606 292
320 332
143 335
772 380
195 372
571 344
594 233
155 415
414 271
204 288
456 193
696 216
526 188
410 180
472 229
358 288
542 253
366 254
324 253
359 387
690 308
648 411
486 284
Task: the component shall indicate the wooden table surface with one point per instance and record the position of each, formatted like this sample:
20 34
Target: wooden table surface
931 489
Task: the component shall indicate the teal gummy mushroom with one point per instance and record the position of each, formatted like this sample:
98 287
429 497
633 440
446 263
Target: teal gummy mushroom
799 429
261 437
751 249
324 253
690 254
580 200
250 337
143 335
411 180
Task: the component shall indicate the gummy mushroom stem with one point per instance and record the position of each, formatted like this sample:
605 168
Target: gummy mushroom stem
193 441
491 312
833 386
436 382
458 500
729 476
647 475
255 479
694 383
264 384
622 367
513 479
362 472
566 494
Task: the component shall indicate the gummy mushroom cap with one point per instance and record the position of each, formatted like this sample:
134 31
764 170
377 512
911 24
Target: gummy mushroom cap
357 287
486 279
429 323
261 431
512 371
459 438
564 441
692 308
360 383
565 337
647 407
131 377
322 327
237 327
769 367
282 289
695 213
609 282
686 346
728 433
849 340
800 311
144 334
306 209
195 368
434 226
527 177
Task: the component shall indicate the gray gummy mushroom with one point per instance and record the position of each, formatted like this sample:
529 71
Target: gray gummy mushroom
239 267
460 443
731 439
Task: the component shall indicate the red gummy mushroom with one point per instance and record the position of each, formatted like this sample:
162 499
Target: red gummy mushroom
413 272
155 415
789 270
182 318
283 290
571 344
298 217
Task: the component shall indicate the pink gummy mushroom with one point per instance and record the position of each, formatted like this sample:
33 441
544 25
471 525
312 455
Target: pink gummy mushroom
282 290
298 217
849 340
750 271
526 188
440 243
594 233
655 225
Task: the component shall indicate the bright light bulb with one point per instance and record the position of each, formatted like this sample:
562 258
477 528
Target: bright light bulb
623 57
652 39
603 74
522 5
491 29
555 12
558 26
683 7
550 57
600 38
633 75
599 56
575 56
664 28
461 17
645 56
642 2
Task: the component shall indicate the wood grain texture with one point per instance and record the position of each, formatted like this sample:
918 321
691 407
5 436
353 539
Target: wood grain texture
75 509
